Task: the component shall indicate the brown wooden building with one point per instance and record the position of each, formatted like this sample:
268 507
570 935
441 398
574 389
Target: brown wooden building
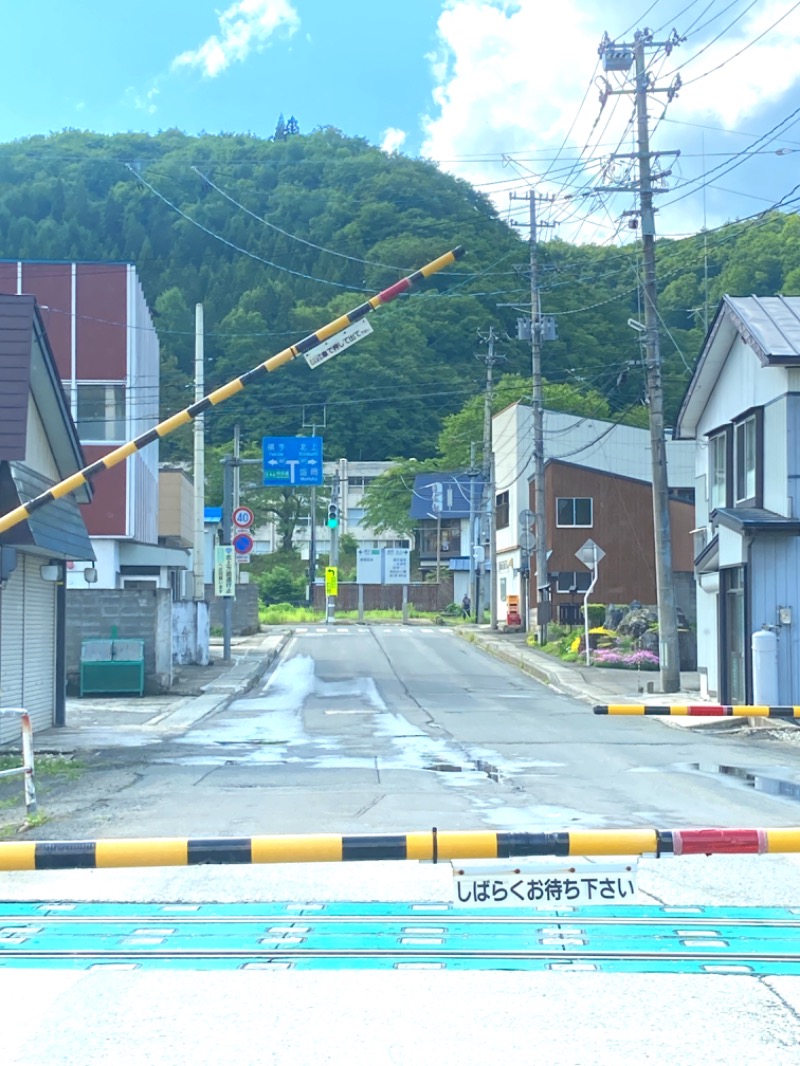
617 514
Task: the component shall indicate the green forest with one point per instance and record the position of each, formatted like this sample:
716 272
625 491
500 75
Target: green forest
276 237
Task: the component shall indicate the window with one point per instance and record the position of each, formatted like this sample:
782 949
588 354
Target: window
745 459
101 412
573 581
501 510
574 511
718 471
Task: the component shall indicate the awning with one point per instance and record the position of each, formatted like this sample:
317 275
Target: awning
133 554
56 530
755 520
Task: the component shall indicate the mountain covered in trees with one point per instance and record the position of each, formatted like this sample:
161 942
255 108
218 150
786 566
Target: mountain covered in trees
277 237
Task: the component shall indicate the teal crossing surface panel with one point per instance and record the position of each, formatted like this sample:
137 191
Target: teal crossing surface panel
312 935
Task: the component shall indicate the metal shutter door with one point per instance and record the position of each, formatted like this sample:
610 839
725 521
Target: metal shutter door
11 657
39 646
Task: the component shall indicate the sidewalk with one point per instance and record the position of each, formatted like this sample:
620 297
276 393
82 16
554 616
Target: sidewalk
132 721
592 684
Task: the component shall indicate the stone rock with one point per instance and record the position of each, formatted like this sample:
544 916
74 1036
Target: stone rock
615 612
637 621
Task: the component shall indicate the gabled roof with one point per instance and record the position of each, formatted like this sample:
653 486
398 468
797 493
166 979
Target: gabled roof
455 495
770 325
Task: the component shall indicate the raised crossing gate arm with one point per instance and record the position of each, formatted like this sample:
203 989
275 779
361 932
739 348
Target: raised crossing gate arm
427 846
169 425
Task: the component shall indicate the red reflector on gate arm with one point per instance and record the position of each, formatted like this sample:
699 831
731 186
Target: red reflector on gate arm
719 841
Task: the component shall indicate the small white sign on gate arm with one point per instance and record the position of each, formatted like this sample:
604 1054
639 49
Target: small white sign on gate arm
544 886
356 331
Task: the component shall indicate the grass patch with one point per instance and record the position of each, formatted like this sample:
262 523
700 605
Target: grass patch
285 614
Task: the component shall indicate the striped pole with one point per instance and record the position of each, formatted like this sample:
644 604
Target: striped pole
700 710
429 846
70 484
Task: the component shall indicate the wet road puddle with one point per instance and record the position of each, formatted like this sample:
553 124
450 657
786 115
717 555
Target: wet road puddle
767 783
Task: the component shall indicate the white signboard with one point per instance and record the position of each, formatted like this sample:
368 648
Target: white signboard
349 335
544 886
369 566
590 554
225 570
397 566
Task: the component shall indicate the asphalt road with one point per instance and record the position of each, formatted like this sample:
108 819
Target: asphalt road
392 729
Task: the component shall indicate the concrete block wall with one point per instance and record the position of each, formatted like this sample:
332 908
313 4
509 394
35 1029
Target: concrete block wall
137 613
245 609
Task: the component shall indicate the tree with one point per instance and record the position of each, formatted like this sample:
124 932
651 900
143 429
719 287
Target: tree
387 499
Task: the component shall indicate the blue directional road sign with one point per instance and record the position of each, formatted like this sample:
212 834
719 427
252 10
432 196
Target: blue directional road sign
292 461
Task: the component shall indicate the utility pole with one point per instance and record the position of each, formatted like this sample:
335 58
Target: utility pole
618 57
198 555
537 410
312 520
472 474
333 557
490 359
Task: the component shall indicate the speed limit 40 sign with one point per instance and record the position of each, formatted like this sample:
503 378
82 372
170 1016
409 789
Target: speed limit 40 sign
243 517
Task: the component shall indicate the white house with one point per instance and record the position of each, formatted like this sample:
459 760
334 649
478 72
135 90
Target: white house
742 413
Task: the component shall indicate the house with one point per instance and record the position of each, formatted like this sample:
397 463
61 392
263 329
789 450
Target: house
107 355
445 507
598 486
741 411
39 447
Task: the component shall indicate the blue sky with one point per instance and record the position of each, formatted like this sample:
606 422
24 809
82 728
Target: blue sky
502 92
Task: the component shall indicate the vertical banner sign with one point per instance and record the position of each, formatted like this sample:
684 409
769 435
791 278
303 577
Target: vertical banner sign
331 581
225 570
369 566
397 568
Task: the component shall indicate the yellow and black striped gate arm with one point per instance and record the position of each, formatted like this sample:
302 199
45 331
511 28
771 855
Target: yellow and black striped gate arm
163 429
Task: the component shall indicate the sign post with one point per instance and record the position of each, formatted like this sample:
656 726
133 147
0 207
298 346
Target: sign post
590 555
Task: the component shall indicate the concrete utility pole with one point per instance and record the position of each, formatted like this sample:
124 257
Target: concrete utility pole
618 57
198 553
490 359
537 410
312 520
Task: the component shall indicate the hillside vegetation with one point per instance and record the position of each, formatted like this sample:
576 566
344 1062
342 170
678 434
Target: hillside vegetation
303 227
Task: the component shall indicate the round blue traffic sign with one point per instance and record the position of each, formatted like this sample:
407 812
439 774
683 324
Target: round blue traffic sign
243 543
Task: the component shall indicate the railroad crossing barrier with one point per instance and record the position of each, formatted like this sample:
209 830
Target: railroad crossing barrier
169 425
428 846
700 710
28 779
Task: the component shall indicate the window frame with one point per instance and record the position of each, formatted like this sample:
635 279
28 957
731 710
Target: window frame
573 576
574 524
747 479
115 429
502 510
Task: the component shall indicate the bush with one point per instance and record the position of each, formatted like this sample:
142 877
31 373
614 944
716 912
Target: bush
279 585
625 660
597 614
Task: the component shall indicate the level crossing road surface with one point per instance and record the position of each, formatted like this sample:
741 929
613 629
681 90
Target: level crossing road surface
393 729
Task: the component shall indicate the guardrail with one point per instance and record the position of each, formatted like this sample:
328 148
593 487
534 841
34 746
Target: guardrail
700 710
27 771
428 846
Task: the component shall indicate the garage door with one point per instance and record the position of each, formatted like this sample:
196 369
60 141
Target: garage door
27 646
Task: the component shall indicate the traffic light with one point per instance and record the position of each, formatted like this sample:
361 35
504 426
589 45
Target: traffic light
333 515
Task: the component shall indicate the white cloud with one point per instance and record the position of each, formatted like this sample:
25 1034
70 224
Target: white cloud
142 101
509 78
393 139
245 25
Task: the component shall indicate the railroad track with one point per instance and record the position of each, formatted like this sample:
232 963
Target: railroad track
401 936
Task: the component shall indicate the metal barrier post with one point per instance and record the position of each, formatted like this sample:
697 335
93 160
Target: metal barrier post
27 768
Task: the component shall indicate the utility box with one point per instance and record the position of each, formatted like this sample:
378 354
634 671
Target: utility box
112 666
